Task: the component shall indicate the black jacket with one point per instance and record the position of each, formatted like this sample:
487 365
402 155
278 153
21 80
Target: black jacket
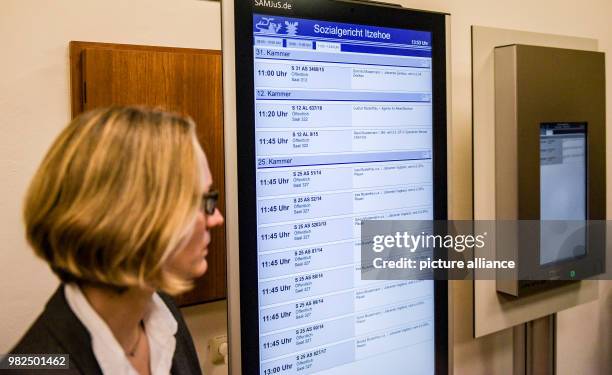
58 330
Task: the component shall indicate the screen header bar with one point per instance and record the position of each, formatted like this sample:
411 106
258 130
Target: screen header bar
298 27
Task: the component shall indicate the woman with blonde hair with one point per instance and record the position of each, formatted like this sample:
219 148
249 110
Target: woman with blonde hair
121 210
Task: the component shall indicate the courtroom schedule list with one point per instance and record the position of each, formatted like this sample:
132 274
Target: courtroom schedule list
343 133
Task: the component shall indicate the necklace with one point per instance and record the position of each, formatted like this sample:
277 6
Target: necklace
132 352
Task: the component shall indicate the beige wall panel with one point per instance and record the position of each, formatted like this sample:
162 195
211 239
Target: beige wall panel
493 312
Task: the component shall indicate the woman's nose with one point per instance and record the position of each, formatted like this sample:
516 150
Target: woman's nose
215 219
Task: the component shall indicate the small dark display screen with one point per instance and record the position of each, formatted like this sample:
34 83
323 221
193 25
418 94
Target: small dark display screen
562 191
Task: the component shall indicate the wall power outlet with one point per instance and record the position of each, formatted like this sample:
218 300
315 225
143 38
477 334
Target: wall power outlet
217 349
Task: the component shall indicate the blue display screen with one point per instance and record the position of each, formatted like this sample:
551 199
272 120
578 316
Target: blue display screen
343 132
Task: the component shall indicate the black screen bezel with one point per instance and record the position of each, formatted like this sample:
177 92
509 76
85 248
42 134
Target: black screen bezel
336 11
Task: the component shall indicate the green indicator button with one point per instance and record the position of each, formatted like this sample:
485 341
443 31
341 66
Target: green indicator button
572 273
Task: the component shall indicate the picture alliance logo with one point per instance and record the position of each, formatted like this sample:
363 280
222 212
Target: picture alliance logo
273 4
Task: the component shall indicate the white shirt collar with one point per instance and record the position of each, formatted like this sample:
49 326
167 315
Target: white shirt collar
160 328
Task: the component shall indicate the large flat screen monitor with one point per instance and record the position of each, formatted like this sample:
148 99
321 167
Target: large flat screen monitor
340 117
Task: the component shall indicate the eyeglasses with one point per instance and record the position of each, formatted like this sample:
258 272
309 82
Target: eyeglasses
209 202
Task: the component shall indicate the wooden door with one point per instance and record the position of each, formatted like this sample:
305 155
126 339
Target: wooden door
182 80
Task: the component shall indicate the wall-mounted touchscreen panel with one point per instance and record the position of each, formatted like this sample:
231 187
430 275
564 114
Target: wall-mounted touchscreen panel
549 175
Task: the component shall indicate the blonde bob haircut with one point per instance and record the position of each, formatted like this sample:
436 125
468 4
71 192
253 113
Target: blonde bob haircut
115 196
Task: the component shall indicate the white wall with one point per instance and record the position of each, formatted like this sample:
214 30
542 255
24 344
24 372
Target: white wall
34 106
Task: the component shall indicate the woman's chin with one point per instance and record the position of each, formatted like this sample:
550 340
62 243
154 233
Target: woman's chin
201 268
